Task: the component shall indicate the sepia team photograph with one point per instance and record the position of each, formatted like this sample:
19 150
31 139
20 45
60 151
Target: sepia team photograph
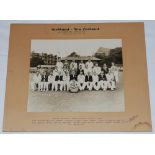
78 75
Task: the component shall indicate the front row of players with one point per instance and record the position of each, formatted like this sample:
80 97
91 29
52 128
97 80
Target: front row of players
73 82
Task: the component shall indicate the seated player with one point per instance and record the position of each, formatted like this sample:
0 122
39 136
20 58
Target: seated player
102 81
58 82
51 80
44 82
81 81
36 79
88 81
73 88
110 80
73 76
66 82
95 81
97 69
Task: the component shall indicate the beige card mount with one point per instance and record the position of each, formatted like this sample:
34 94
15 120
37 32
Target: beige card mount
118 103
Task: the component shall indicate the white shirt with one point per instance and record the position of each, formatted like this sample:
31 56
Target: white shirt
82 65
73 65
89 64
66 78
110 77
55 72
114 69
59 65
97 70
81 78
51 78
95 78
86 70
37 78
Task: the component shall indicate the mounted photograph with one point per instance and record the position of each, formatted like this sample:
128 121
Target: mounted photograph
78 75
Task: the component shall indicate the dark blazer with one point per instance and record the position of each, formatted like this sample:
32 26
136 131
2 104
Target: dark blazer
102 77
44 78
59 78
73 77
79 70
105 70
88 78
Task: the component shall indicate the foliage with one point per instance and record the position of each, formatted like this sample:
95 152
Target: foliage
35 61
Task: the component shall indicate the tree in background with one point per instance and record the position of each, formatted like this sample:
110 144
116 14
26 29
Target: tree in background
114 55
73 54
35 61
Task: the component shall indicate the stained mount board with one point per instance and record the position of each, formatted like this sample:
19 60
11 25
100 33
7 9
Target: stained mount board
125 109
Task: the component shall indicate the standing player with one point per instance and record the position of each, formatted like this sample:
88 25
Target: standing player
86 70
80 69
114 70
81 65
90 64
97 69
105 69
36 79
66 65
73 66
81 81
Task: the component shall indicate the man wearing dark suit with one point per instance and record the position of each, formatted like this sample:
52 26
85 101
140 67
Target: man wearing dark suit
89 81
44 82
105 69
103 81
73 76
58 82
80 70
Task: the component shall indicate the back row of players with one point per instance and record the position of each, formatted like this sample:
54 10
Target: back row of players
74 77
